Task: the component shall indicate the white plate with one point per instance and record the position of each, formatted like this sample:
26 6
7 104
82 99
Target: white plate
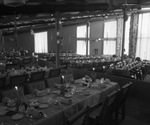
2 108
43 106
33 100
17 116
34 104
56 92
2 113
68 95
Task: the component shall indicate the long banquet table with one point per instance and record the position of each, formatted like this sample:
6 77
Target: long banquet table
56 113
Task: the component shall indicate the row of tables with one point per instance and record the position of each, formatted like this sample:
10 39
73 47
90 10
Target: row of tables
56 111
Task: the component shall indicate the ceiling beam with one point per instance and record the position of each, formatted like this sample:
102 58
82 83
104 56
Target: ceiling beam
45 8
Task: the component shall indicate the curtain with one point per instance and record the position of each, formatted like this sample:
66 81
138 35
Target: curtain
133 34
40 42
109 45
143 41
119 36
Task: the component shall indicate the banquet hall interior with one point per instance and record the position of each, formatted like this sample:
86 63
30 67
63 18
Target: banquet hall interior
74 62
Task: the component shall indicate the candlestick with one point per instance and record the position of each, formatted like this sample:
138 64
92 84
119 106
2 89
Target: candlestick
63 87
63 78
18 98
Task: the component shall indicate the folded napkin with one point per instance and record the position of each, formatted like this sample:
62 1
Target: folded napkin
107 81
41 93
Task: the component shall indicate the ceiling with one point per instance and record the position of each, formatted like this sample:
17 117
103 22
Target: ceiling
43 13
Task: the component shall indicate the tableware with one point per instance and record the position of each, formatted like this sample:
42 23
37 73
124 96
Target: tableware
3 112
102 85
37 114
17 116
56 92
34 104
68 95
2 108
43 106
33 100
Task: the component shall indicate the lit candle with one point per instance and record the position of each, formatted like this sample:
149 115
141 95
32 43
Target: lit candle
17 92
93 69
63 79
16 88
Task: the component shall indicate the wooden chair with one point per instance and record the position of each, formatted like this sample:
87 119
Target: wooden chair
26 62
121 101
18 80
79 118
12 66
68 78
11 93
2 82
101 114
39 85
54 72
50 82
37 76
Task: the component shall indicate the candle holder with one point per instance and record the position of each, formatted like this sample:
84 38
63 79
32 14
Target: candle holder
63 87
18 99
93 75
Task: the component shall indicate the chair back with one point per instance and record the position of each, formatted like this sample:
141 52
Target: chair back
12 94
26 61
108 106
37 76
68 78
12 66
54 72
50 82
123 94
2 82
39 85
80 118
15 61
18 80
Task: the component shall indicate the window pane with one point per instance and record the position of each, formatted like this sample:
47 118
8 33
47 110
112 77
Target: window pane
40 42
81 47
109 47
81 31
110 29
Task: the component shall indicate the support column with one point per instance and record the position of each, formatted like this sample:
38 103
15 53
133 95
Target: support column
125 17
87 37
57 41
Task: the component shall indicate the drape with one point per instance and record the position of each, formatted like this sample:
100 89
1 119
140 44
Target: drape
119 36
143 41
40 42
133 34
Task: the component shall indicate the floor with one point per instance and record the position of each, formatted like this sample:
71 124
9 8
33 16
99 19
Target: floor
137 111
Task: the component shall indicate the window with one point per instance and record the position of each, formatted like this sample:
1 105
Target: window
40 42
109 46
82 40
143 41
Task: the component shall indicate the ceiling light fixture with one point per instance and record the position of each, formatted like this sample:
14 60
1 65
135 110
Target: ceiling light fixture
14 3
